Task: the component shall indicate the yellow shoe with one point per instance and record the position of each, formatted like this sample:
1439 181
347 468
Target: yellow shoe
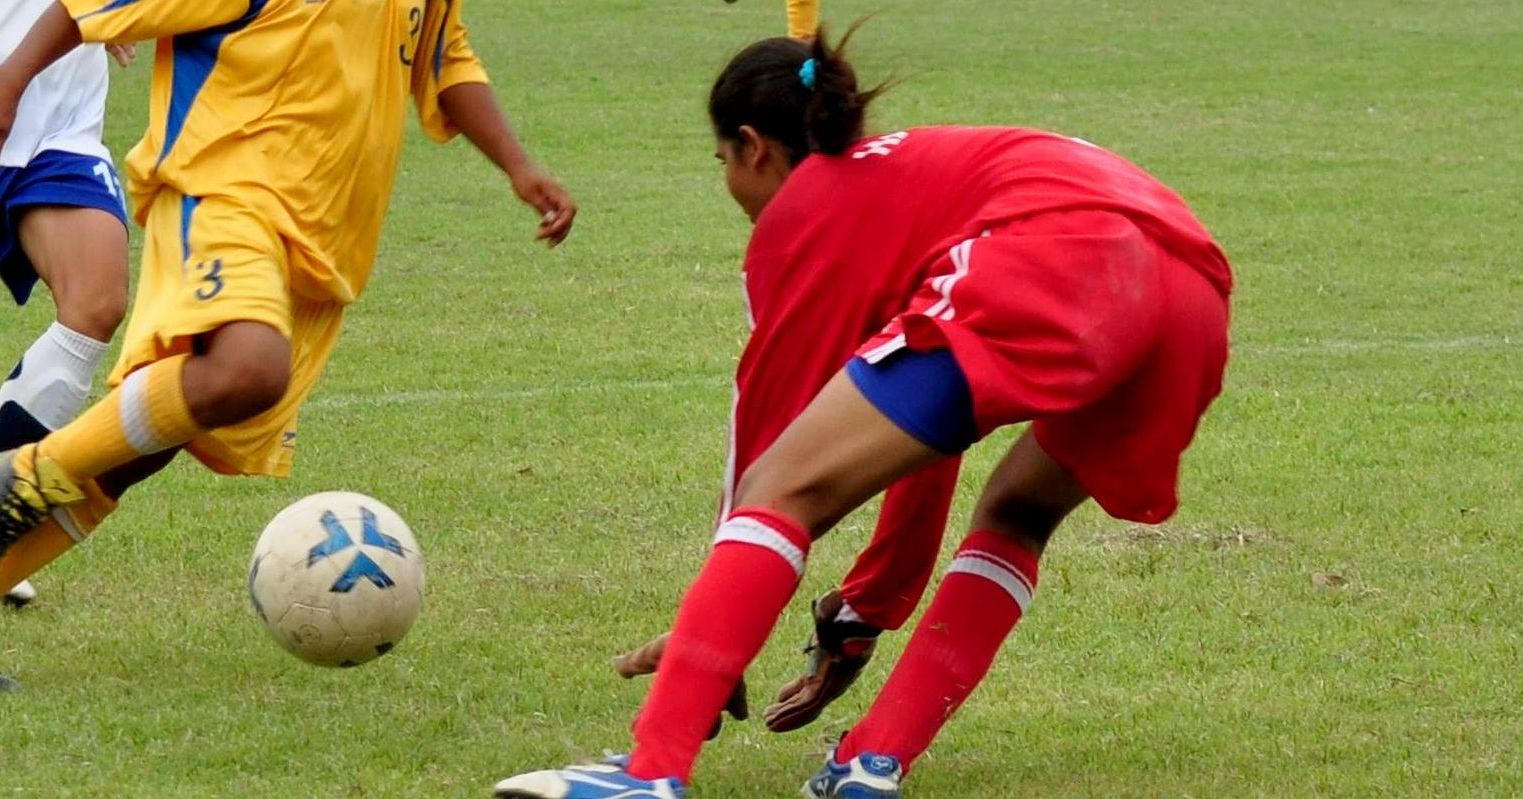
31 488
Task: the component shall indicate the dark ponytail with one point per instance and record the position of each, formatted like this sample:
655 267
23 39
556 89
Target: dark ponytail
804 95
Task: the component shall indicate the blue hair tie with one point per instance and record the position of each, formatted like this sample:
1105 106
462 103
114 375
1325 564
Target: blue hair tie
806 73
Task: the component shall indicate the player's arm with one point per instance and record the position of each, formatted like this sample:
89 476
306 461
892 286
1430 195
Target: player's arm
889 577
473 109
66 24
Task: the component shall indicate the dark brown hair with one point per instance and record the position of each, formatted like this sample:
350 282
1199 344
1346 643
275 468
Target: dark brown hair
764 86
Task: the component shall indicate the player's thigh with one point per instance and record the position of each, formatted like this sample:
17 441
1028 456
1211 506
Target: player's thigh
81 254
840 452
1027 495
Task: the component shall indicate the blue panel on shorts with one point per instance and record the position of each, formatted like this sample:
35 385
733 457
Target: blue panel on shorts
53 178
924 393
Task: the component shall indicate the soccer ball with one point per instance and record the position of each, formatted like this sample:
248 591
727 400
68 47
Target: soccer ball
337 579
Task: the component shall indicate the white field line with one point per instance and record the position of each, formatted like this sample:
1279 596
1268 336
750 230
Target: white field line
445 396
617 387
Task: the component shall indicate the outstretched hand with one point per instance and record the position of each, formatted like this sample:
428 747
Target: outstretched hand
547 196
647 659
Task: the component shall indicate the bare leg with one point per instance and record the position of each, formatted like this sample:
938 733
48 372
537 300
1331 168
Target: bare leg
985 592
839 453
81 254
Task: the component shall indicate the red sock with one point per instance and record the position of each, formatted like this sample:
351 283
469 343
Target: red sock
722 624
986 589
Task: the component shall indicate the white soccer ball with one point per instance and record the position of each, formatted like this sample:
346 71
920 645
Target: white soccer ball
337 579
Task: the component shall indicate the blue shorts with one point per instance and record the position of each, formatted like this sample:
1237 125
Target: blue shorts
925 393
53 178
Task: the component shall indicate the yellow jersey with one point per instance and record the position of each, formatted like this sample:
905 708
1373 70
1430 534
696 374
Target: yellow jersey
294 108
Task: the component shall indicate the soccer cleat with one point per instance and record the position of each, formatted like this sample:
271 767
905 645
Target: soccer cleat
21 596
866 777
31 487
607 781
837 653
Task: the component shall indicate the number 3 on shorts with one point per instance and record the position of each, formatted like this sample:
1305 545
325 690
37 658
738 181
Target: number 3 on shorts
211 279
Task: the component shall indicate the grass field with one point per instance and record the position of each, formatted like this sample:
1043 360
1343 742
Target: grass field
552 424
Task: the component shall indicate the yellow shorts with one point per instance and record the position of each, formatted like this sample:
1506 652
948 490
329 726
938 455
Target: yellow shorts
208 263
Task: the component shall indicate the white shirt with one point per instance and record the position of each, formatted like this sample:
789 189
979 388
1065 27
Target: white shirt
64 108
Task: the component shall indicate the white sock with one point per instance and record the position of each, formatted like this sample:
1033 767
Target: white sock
52 382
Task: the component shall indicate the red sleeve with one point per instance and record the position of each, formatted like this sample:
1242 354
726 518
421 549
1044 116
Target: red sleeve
781 370
890 576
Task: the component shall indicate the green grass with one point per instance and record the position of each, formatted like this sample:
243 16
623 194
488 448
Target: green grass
552 424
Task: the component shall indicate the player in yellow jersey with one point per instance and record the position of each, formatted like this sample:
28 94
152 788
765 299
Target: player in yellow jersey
262 182
803 18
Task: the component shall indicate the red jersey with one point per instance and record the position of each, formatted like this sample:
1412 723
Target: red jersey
848 240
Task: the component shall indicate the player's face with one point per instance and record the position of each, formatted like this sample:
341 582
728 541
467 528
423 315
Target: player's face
754 169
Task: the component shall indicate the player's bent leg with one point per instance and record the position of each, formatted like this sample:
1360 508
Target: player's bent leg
81 254
925 396
841 451
838 453
241 370
988 587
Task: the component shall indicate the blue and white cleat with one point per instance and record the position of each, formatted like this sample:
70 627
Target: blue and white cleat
587 782
869 776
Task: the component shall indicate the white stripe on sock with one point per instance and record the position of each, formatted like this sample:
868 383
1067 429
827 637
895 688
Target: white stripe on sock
997 571
136 423
746 530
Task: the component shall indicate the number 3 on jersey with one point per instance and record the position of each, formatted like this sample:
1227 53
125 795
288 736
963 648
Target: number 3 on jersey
211 282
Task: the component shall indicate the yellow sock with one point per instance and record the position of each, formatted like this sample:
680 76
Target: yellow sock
147 413
48 540
803 18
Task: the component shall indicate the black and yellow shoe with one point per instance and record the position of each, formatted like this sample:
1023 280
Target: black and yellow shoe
31 488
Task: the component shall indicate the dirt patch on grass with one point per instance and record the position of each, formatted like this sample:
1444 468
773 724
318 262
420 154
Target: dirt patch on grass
1167 536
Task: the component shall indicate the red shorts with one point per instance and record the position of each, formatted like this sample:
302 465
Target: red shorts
1082 323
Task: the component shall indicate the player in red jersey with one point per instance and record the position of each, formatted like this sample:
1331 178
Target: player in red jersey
911 293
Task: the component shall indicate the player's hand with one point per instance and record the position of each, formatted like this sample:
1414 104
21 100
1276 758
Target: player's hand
124 54
556 208
647 658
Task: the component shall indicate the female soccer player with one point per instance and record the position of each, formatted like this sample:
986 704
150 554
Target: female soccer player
262 192
63 221
983 277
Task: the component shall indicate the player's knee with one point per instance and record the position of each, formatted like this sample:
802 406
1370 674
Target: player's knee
244 372
800 496
257 386
100 313
95 308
